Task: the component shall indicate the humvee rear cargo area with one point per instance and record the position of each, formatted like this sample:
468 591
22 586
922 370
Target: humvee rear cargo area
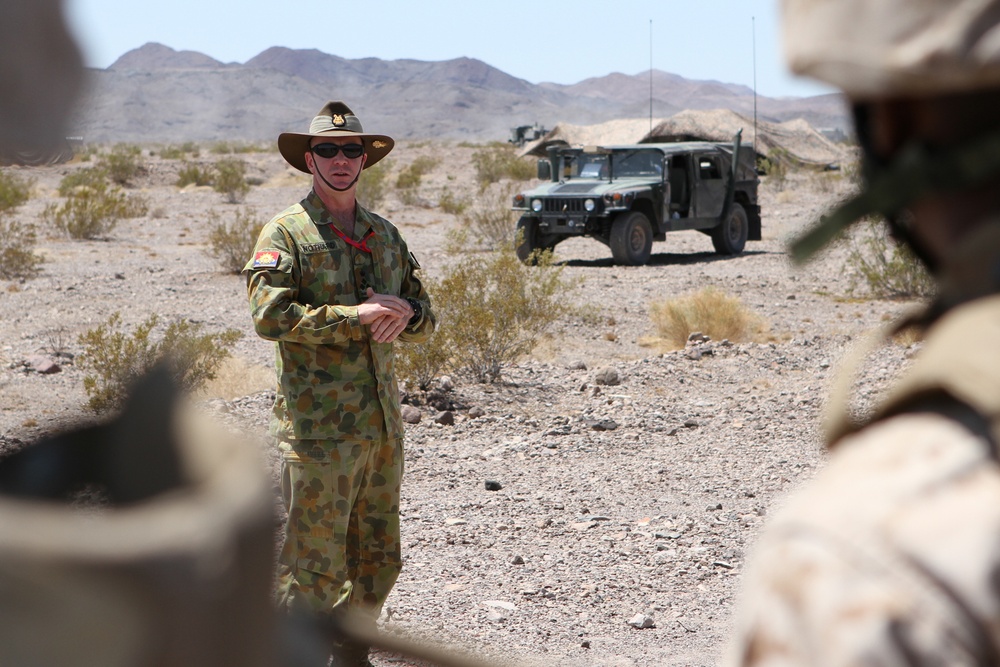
629 196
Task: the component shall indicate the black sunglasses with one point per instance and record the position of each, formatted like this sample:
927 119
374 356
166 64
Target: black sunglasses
330 150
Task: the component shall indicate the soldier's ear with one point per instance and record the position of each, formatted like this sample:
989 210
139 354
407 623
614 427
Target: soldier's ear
310 162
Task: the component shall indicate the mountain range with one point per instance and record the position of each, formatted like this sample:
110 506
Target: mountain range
155 94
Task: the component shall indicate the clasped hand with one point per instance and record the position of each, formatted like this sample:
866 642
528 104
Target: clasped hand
386 314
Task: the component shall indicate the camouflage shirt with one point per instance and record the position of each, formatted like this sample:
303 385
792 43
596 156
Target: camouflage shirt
305 284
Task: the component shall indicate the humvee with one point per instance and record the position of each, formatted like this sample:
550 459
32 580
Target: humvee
628 196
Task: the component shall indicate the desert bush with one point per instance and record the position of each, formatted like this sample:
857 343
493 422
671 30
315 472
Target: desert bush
114 360
232 243
491 221
371 188
14 190
86 177
408 180
449 203
418 364
775 168
191 172
17 254
710 312
498 161
175 152
492 309
885 269
90 212
234 147
122 163
230 179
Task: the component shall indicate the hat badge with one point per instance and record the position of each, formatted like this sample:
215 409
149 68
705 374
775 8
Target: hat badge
338 120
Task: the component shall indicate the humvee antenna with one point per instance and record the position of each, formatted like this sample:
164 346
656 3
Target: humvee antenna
650 75
753 31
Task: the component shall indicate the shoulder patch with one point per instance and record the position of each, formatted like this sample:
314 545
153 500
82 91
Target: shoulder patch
266 259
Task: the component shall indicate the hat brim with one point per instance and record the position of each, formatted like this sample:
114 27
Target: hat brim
293 146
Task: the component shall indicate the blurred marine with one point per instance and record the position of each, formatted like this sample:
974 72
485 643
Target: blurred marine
890 555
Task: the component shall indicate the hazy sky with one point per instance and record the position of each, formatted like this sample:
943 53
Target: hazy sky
562 41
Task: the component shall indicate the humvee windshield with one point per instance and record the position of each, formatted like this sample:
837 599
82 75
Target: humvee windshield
626 164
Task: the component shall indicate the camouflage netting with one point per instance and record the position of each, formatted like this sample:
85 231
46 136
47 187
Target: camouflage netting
793 141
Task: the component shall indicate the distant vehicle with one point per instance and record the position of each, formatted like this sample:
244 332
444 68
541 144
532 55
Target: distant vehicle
629 196
522 134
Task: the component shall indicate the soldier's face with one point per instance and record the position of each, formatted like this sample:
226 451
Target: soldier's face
340 170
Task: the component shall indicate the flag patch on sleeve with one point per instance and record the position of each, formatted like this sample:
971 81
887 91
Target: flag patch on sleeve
266 259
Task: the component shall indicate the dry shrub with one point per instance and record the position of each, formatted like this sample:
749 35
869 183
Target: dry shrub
711 312
122 163
230 179
14 190
115 360
499 161
491 221
192 173
491 309
408 180
88 177
449 203
17 257
232 243
236 378
885 269
92 211
372 185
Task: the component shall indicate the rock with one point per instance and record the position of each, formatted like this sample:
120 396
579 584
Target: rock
476 412
500 604
578 365
585 644
517 560
642 621
493 485
447 418
494 616
43 365
602 424
410 414
446 383
455 522
607 376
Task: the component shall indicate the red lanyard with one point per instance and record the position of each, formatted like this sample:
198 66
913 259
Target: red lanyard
363 246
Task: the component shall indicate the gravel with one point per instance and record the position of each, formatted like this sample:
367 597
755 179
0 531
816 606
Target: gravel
593 508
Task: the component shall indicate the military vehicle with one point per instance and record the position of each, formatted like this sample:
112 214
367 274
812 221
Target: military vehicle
628 196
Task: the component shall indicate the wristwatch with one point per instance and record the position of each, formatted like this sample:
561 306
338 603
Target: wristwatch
418 311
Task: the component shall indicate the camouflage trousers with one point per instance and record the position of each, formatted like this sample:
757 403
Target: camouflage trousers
341 549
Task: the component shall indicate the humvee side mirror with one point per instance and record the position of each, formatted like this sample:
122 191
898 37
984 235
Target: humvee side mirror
544 170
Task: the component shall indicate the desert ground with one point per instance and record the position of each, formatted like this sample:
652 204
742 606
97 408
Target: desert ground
616 500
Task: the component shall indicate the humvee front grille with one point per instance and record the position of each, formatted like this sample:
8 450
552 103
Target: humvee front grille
563 205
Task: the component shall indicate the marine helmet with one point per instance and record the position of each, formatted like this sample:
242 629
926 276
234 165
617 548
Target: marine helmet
904 50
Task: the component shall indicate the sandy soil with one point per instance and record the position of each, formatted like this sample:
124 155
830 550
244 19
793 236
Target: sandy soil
615 500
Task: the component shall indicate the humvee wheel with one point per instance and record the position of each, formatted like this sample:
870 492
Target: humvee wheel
730 237
529 240
631 239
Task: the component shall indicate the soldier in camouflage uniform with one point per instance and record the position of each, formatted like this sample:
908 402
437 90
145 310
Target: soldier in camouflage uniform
335 286
891 555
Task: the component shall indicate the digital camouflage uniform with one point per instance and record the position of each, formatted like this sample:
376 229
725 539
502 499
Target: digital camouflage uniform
891 555
336 413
